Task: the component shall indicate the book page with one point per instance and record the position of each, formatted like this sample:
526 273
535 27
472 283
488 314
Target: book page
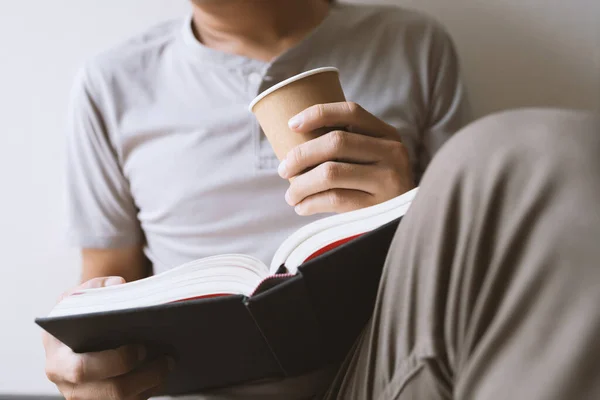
333 223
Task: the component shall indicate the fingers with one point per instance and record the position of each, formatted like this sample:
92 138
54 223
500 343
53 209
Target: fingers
101 282
335 201
94 283
344 186
110 363
333 175
155 391
62 365
334 146
345 114
342 171
112 374
66 366
140 383
146 378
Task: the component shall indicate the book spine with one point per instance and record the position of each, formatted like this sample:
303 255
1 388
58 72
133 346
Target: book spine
314 318
286 319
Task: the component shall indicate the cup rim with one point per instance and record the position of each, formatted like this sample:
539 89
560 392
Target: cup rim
288 81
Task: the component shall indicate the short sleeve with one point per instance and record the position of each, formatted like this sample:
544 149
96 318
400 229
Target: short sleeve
101 210
448 108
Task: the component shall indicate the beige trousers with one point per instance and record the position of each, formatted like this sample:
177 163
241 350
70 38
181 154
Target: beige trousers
492 285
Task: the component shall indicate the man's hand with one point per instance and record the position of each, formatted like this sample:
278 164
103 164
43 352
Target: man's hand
360 165
119 374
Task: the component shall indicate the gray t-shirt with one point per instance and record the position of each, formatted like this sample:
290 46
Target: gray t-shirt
162 150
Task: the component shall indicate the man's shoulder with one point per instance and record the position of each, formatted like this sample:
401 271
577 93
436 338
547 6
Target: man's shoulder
140 47
393 19
137 54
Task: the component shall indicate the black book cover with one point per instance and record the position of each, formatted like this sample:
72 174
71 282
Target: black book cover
296 326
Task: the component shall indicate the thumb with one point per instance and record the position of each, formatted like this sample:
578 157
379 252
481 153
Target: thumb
94 284
102 282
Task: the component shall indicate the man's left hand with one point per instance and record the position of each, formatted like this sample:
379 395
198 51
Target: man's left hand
360 165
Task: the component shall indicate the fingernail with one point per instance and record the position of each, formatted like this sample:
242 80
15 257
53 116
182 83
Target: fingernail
295 122
141 353
113 280
299 210
282 169
288 197
170 363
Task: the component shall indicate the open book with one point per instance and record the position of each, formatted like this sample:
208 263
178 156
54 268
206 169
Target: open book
231 319
234 273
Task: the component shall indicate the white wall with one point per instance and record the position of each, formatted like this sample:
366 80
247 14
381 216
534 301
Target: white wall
42 44
524 52
515 53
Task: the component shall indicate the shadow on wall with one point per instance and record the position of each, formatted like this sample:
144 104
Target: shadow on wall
514 59
519 53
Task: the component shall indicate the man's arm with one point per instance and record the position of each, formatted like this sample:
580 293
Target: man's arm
103 222
448 108
129 263
102 212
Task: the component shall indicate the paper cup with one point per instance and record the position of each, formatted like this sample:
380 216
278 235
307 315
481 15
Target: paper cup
275 106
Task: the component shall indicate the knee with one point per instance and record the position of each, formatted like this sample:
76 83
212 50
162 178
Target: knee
534 124
528 135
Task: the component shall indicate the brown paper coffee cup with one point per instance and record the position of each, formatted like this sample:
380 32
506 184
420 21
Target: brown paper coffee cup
274 107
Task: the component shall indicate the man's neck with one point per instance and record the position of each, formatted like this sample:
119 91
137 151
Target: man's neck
259 29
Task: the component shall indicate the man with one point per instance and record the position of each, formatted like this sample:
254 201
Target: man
167 165
490 289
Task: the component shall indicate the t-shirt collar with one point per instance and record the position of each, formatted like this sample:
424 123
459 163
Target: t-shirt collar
318 37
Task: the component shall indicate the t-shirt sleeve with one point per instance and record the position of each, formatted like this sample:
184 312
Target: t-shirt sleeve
101 210
448 107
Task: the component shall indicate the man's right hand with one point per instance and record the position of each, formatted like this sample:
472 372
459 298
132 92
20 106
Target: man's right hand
119 374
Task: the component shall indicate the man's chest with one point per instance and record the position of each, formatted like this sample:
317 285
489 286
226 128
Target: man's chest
204 137
201 172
